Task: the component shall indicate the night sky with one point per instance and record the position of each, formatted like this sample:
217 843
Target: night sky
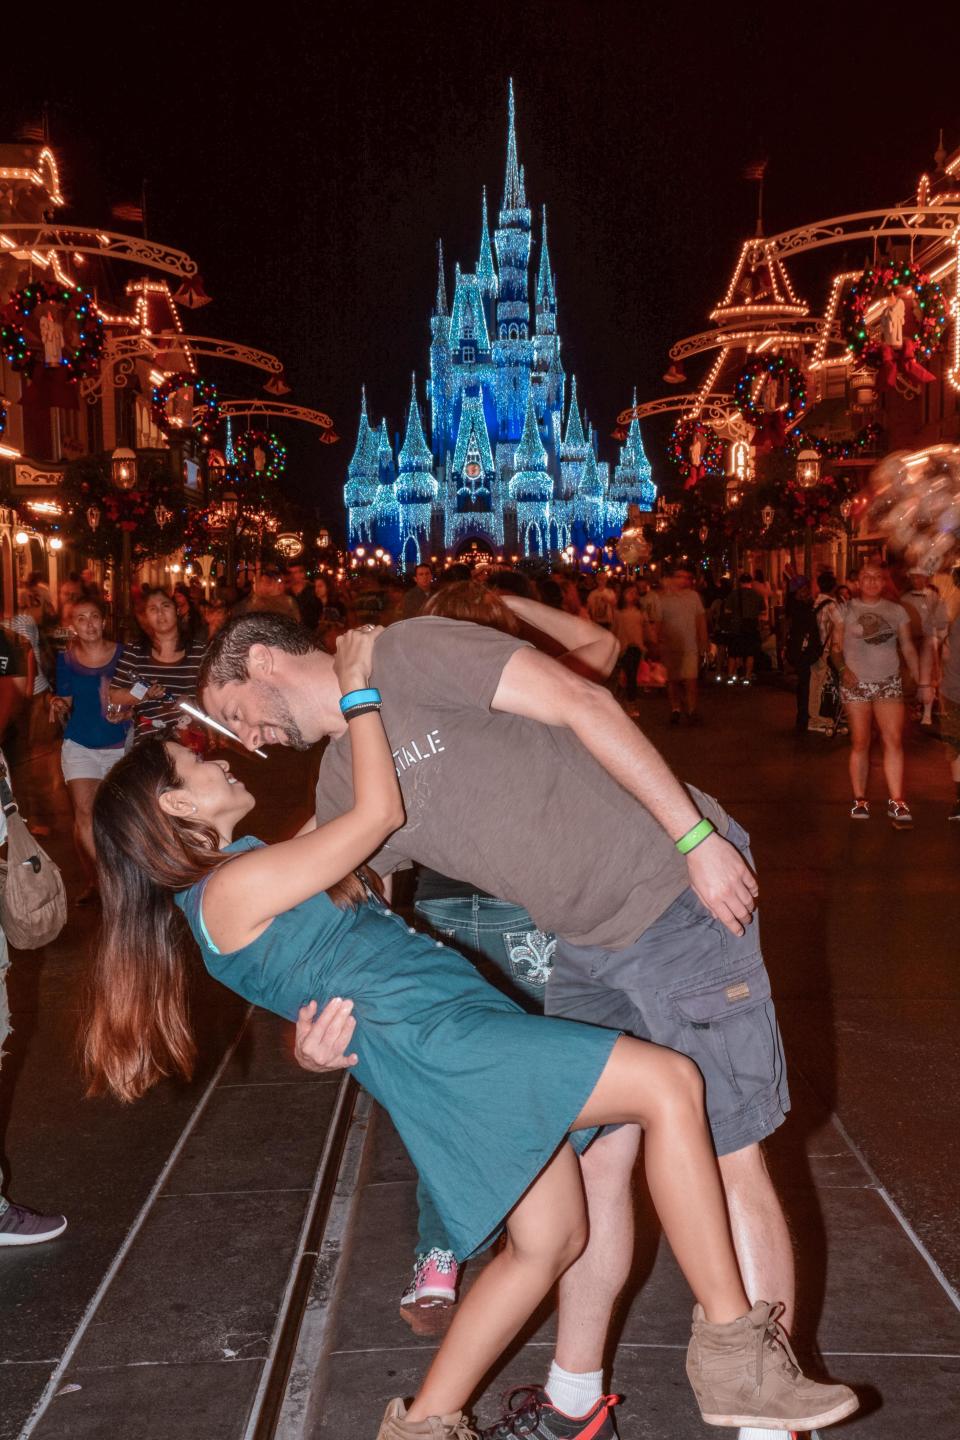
309 158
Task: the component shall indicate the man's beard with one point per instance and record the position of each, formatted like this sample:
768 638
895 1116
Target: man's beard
281 716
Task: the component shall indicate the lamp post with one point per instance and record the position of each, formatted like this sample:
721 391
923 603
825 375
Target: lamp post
230 505
123 472
808 475
846 515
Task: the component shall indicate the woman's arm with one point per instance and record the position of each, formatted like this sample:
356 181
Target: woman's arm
589 649
245 894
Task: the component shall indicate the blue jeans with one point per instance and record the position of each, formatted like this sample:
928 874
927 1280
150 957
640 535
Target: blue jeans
484 928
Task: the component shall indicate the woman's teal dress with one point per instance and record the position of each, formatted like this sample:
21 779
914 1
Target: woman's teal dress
481 1093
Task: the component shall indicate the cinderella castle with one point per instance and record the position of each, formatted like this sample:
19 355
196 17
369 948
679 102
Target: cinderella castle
511 466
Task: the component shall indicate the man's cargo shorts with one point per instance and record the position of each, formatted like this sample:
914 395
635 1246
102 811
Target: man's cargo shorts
691 985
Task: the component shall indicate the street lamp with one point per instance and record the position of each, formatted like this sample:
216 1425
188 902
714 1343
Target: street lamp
123 468
808 474
808 468
768 515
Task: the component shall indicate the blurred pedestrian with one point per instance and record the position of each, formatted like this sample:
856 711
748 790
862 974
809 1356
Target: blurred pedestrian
802 648
683 639
602 602
300 590
95 732
740 618
269 595
417 596
868 644
824 707
928 627
631 629
950 695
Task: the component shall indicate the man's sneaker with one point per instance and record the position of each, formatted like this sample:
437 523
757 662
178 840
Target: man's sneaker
860 810
396 1426
530 1414
898 812
20 1226
745 1373
955 812
434 1281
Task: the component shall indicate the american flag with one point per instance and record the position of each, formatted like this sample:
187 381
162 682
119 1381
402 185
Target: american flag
32 130
126 210
757 171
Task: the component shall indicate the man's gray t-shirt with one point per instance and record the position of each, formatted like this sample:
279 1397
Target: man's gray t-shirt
870 631
517 808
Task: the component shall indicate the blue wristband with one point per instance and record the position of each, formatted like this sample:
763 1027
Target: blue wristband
359 697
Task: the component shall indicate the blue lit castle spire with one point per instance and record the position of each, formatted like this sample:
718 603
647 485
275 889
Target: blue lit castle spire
510 464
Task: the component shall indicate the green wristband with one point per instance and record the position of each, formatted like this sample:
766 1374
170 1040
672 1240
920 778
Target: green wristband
696 836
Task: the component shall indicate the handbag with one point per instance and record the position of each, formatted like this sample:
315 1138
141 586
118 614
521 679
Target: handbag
33 900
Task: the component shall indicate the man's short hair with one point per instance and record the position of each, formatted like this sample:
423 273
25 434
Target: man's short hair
228 652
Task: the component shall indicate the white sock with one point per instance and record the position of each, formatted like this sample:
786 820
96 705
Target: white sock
572 1393
748 1433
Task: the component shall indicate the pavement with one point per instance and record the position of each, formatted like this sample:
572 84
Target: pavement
205 1221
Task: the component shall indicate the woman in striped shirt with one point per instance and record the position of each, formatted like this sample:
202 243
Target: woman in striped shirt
154 677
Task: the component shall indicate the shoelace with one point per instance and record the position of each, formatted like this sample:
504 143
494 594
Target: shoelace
774 1336
525 1415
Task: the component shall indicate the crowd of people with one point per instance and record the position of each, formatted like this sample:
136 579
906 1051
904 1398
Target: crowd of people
291 660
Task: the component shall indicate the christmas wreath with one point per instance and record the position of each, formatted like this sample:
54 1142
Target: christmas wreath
776 369
925 319
203 399
864 442
684 436
274 454
78 347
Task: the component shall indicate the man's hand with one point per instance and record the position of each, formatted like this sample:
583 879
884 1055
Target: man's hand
322 1039
724 882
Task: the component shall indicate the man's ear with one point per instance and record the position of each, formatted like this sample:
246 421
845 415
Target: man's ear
177 803
260 662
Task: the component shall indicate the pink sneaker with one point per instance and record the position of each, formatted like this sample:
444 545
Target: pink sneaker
434 1281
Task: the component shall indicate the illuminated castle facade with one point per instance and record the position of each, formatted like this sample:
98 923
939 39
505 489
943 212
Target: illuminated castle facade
511 466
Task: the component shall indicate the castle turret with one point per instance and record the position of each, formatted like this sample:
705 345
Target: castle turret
438 387
416 487
360 490
513 351
487 282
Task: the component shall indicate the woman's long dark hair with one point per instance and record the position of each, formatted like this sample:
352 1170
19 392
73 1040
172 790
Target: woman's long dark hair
138 1027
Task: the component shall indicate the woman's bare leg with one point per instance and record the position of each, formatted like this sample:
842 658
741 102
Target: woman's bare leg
860 720
546 1232
641 1084
663 1091
82 795
890 715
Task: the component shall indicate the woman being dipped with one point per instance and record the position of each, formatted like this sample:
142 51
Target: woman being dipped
483 1095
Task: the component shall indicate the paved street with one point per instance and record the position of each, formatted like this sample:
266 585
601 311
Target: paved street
859 924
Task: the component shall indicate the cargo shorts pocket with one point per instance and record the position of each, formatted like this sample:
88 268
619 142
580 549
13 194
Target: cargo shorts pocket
725 1022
